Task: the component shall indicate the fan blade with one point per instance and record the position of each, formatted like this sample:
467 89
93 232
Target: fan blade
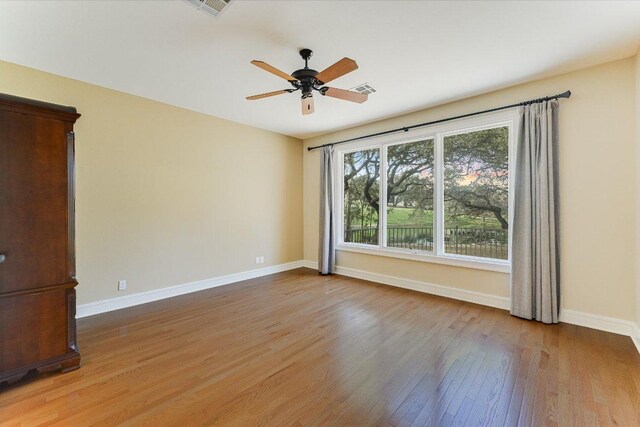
273 70
347 95
340 68
307 105
266 95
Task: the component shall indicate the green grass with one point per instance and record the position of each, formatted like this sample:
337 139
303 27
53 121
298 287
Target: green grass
409 216
406 216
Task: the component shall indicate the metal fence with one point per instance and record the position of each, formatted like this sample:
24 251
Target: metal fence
488 243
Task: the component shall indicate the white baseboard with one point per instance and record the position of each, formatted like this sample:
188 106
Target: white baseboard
594 321
428 288
103 306
636 336
603 323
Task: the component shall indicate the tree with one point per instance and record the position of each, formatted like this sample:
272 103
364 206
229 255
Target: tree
475 177
409 179
410 174
361 187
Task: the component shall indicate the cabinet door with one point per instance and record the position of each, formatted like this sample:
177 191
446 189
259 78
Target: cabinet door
34 200
34 328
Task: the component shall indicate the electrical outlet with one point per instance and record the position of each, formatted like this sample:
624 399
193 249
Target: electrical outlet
262 260
122 285
257 260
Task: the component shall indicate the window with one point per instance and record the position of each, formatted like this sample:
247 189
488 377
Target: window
410 195
446 194
476 193
361 196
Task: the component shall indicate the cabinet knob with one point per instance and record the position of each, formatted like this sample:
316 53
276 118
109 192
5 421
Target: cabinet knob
3 257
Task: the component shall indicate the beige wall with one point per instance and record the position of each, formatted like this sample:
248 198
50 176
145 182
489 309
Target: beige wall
156 204
167 196
597 176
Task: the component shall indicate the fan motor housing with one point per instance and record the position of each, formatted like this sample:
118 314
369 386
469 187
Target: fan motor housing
307 79
305 74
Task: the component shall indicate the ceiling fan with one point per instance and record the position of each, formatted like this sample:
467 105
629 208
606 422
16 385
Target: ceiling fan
307 80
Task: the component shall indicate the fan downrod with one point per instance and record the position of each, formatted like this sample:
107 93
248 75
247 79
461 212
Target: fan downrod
306 76
306 54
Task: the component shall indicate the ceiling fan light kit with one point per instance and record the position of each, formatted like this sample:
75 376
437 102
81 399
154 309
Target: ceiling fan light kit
308 80
307 104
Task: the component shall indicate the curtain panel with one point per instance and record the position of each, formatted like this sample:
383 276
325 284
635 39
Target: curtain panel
535 266
326 241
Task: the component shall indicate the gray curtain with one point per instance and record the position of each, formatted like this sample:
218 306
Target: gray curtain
326 246
535 269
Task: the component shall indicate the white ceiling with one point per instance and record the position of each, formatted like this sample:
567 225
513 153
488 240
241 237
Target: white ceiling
417 54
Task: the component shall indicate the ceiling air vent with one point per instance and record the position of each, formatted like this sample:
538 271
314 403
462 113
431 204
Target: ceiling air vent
364 88
212 7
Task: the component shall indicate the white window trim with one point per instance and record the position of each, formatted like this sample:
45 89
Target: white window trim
437 132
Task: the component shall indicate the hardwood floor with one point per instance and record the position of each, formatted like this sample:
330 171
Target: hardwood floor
297 348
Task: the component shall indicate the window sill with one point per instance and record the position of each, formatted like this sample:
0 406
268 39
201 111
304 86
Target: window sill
453 260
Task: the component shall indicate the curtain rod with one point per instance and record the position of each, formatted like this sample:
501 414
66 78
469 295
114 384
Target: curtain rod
566 94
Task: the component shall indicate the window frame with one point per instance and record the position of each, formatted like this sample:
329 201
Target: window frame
505 118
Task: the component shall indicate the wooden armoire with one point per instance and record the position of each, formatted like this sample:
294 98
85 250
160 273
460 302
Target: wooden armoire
37 248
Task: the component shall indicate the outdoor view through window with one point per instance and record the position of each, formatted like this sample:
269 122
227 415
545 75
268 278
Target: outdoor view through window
410 195
361 196
474 195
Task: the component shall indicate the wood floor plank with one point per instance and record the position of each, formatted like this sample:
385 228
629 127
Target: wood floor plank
296 348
